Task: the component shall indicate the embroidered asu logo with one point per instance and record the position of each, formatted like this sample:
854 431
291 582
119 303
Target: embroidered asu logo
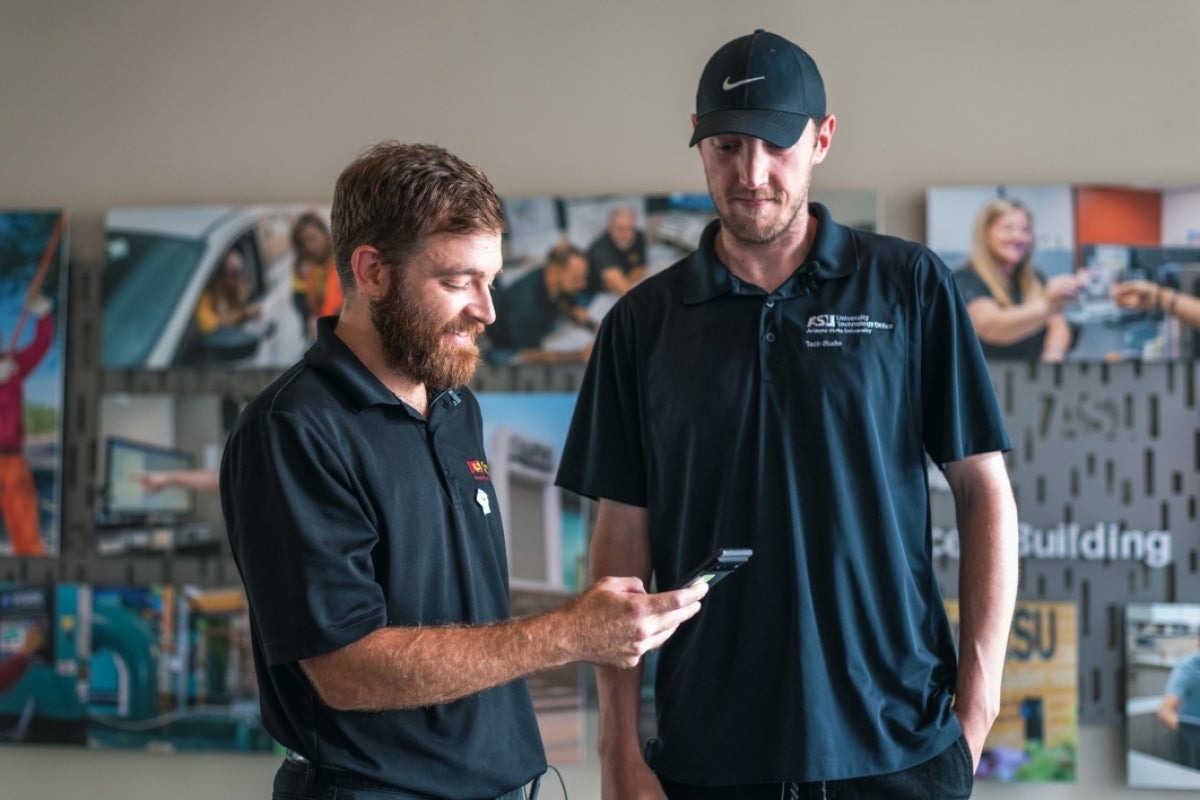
479 470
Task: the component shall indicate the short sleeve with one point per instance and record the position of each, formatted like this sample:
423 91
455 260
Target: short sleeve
960 415
1184 679
604 454
970 285
301 538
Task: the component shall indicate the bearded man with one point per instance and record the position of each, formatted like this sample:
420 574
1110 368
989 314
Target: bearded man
366 530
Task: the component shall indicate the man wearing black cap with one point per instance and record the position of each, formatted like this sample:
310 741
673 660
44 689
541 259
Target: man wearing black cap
778 389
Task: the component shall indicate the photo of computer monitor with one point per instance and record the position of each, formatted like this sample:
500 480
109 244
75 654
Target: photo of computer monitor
125 501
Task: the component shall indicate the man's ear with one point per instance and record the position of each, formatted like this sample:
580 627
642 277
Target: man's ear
824 138
371 274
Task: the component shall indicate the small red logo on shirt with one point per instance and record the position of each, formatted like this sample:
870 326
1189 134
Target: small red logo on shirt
479 469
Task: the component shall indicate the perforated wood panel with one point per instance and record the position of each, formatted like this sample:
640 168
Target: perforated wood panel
1116 445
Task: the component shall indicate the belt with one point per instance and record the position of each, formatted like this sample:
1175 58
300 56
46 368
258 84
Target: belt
296 758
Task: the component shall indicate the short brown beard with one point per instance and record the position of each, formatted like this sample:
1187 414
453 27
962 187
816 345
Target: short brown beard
413 345
747 232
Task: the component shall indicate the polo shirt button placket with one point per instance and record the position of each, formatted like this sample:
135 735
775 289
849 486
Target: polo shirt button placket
768 354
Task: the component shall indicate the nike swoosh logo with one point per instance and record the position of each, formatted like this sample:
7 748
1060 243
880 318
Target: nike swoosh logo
729 85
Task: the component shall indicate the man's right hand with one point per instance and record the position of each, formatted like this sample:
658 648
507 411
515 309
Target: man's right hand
615 622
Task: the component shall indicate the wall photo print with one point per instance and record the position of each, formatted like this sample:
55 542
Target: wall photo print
157 461
33 247
43 690
219 287
160 667
1098 234
1035 738
1162 700
545 542
171 670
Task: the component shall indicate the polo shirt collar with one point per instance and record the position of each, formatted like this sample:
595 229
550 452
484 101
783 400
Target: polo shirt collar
331 357
833 255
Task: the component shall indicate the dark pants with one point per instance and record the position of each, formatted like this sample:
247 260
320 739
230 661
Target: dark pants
307 782
946 776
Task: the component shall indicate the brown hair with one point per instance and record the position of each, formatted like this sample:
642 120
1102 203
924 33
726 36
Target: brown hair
394 196
309 219
560 255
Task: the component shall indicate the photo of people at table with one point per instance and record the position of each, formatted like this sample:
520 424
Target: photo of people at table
1162 703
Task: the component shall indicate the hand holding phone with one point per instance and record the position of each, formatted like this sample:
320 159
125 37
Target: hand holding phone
721 563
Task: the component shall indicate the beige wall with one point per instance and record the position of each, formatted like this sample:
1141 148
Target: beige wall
115 103
155 101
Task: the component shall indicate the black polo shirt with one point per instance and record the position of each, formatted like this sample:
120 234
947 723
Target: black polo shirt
525 312
348 511
795 423
604 253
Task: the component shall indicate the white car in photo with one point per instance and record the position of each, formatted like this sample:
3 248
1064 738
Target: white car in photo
159 262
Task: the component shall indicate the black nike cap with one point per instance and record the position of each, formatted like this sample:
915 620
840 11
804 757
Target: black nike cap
760 85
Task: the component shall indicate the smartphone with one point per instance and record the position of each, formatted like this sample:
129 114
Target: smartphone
721 563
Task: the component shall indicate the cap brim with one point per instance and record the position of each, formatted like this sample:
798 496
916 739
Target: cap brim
777 127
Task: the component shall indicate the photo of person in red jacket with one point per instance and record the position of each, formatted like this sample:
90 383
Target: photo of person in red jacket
18 493
31 381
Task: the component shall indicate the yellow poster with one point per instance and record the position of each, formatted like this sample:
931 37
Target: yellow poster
1035 736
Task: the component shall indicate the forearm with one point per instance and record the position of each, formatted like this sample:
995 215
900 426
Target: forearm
1168 711
1184 307
198 480
615 280
413 667
1001 326
1058 339
234 315
987 522
614 622
619 694
985 615
1147 296
620 545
